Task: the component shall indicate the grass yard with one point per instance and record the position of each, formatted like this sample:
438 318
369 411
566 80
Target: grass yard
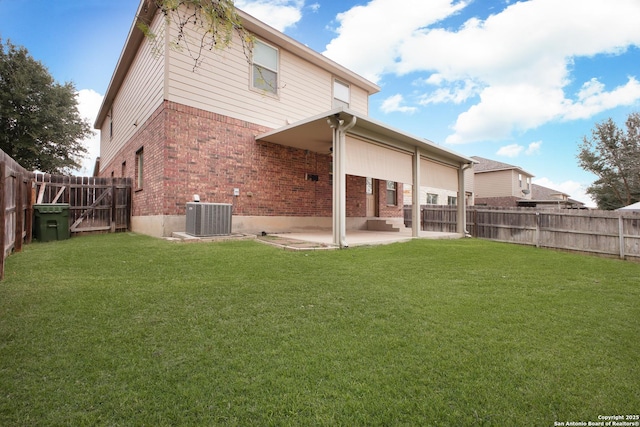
126 330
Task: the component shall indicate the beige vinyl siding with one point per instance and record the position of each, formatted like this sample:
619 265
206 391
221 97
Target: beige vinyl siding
359 100
139 96
494 184
222 84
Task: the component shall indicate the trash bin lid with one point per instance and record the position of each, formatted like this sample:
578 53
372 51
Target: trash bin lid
51 207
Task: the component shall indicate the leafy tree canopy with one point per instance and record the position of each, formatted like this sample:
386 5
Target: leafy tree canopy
40 126
613 155
212 23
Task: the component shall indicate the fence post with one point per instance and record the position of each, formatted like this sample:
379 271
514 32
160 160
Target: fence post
17 245
621 233
537 229
3 216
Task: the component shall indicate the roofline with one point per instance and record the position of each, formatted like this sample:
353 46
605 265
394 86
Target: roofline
147 10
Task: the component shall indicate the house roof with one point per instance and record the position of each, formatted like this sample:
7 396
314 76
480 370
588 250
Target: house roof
488 165
547 196
146 11
633 207
315 134
545 193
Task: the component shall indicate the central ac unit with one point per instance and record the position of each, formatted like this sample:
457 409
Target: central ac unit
208 219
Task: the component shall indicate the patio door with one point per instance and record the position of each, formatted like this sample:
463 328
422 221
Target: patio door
372 197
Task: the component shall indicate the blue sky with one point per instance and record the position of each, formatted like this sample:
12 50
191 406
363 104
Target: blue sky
518 82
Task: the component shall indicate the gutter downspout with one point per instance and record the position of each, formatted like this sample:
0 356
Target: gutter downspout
339 178
462 202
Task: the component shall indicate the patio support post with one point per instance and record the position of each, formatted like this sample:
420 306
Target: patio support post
339 179
462 201
415 208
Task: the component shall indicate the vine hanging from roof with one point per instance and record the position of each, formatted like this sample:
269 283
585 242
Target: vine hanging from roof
202 25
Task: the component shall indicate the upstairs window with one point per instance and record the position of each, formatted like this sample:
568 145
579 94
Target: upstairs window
341 94
265 67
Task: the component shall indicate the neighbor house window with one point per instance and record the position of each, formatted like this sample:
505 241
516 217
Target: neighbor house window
341 94
520 180
391 193
265 67
124 169
452 200
432 199
139 168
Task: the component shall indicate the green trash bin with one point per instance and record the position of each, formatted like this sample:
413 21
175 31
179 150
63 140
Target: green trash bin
51 221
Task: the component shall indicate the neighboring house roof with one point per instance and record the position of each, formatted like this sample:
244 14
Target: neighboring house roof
146 11
488 165
633 207
541 195
539 192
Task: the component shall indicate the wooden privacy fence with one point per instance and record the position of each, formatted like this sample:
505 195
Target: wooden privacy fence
95 204
15 207
610 233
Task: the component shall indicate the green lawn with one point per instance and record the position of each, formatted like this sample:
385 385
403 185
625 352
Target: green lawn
126 330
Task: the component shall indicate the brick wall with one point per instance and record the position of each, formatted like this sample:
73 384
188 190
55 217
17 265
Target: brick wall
189 151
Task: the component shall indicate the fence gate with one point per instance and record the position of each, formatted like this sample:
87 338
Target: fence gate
95 204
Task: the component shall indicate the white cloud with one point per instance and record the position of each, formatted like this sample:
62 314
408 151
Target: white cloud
280 14
457 93
393 104
593 99
575 190
369 37
534 148
519 60
89 102
512 150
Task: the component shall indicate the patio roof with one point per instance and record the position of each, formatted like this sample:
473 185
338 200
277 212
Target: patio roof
315 134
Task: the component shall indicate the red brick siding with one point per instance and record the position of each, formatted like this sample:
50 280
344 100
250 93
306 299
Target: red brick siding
385 210
190 151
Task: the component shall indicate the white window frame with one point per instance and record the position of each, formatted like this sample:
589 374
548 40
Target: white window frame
341 93
265 88
432 199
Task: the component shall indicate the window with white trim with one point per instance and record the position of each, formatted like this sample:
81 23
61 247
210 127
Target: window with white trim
392 192
432 199
341 94
265 67
452 200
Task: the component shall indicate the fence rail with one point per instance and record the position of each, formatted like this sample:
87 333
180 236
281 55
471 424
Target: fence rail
610 233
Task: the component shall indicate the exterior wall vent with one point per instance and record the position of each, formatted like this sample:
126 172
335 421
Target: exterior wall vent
208 219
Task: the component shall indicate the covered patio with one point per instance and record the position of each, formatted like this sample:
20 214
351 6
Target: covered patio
361 146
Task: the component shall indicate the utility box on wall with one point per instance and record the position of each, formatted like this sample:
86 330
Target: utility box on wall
208 219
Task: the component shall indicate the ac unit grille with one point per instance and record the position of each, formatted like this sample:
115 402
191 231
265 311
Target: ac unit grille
208 219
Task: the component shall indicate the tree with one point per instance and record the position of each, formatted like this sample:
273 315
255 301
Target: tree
214 23
613 155
40 126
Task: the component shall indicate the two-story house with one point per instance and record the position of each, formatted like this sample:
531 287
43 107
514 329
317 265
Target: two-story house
283 135
504 185
499 184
